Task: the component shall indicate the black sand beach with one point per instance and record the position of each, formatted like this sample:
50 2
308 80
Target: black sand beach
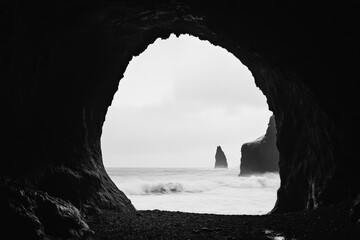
326 223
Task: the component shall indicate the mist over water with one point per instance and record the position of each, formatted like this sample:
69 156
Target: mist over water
197 190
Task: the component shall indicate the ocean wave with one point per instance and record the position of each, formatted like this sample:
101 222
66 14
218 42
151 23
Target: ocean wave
163 188
156 188
137 186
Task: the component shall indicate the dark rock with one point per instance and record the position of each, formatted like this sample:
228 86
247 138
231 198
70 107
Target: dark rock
220 158
29 214
355 212
261 155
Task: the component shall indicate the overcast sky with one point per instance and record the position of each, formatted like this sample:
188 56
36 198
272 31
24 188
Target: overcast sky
179 100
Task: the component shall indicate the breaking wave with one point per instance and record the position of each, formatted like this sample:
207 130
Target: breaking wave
201 190
137 186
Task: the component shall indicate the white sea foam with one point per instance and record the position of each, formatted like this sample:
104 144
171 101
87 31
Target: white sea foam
142 187
197 190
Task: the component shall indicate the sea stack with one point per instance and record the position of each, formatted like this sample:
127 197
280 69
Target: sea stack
220 158
261 155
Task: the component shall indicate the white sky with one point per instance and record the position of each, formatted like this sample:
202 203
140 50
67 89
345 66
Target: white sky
179 100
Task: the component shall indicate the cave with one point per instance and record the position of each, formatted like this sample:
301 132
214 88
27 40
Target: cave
60 68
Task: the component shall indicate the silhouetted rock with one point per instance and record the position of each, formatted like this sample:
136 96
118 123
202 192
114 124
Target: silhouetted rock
261 155
220 158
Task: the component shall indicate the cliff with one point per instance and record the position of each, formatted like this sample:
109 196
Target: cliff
220 158
261 155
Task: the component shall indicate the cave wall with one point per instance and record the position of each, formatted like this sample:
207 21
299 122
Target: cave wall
61 64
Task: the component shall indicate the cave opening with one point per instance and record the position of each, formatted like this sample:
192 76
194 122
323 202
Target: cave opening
177 101
61 66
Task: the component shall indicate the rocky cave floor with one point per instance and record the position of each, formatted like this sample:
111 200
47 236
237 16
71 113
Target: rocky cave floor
327 223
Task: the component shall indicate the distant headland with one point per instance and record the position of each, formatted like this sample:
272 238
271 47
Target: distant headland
261 155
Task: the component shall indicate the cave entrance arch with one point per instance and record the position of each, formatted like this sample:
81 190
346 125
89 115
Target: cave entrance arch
61 67
217 100
297 112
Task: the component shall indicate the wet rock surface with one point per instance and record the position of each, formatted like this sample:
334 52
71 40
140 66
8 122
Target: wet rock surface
261 156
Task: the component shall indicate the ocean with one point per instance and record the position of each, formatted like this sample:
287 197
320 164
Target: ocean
197 190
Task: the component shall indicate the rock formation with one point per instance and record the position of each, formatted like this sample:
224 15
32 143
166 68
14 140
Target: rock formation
61 65
261 155
38 215
220 158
